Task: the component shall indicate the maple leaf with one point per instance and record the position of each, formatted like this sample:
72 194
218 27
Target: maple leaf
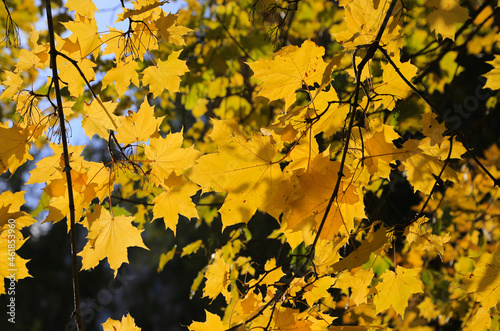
10 208
70 75
13 82
98 120
175 201
363 19
393 86
15 147
165 257
417 233
493 76
272 274
122 75
243 169
9 263
358 281
212 323
90 180
138 127
446 15
291 68
165 75
480 321
327 253
169 30
378 145
192 247
115 43
82 7
484 281
27 60
109 237
432 128
396 288
317 290
85 34
217 276
12 220
127 323
373 243
317 186
166 156
48 168
284 318
334 119
141 9
422 161
245 306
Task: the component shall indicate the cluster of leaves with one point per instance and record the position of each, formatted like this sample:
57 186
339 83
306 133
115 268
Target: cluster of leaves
310 134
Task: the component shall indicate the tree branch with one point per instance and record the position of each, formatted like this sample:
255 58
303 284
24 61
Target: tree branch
67 167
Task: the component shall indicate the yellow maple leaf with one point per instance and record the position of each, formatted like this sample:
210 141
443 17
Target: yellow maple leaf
47 169
243 169
432 128
90 180
481 320
284 318
115 43
446 15
363 19
82 7
317 186
141 9
493 76
171 32
290 68
13 82
374 242
85 33
27 60
212 323
393 86
12 267
358 282
378 145
109 237
417 233
318 290
272 275
139 126
175 201
422 161
122 75
396 288
12 220
217 276
165 75
15 147
192 247
127 323
166 257
166 156
98 120
484 281
70 75
246 306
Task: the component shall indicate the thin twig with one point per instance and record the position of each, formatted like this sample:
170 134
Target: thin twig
233 39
